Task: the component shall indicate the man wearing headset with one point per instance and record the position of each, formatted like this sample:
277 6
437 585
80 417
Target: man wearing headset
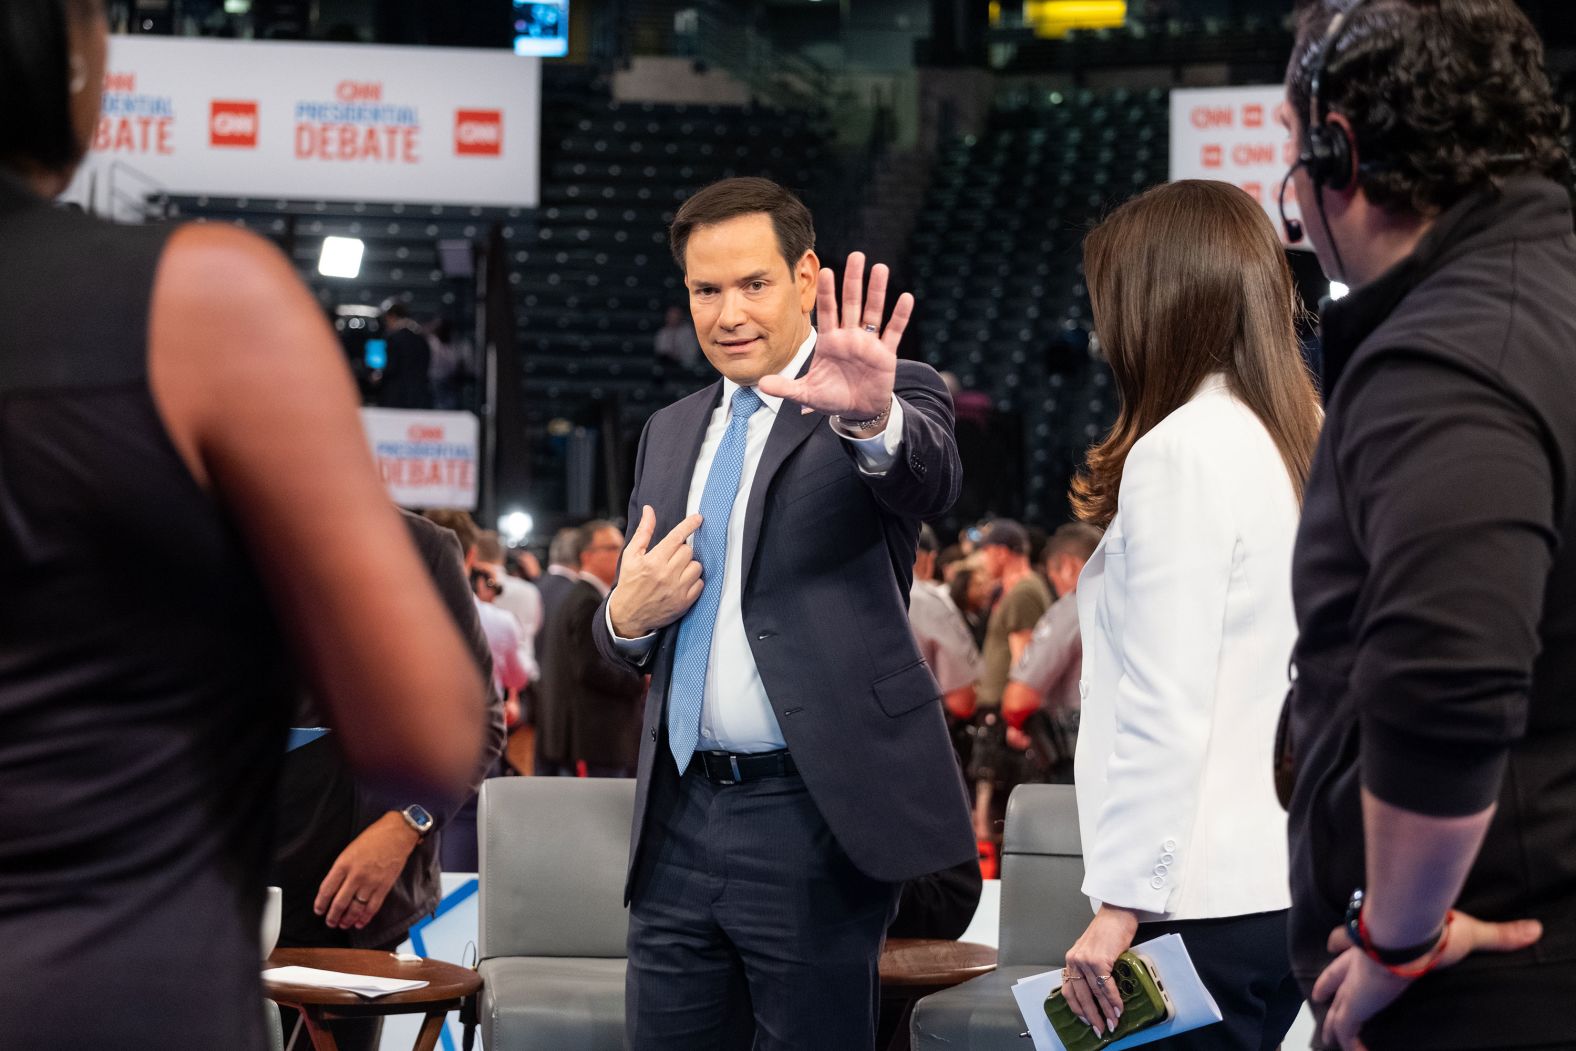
1431 727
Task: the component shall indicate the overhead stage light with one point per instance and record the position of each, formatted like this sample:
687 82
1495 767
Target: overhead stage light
514 527
341 257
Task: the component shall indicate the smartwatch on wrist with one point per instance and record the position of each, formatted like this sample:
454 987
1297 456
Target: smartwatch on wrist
417 818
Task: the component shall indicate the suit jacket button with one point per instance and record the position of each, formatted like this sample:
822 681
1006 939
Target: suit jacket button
653 733
1157 883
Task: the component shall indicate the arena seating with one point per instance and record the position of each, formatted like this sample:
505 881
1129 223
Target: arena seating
997 262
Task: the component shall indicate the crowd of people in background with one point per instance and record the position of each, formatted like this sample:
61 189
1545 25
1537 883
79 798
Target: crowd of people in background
995 615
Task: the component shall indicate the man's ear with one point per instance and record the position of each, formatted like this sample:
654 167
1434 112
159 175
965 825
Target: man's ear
805 276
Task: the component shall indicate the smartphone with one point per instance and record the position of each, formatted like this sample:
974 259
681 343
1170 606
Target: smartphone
1145 1003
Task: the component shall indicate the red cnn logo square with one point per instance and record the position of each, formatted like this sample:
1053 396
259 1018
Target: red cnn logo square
1214 156
1253 115
233 124
478 132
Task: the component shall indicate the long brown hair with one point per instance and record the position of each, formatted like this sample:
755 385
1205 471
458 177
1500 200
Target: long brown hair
1186 280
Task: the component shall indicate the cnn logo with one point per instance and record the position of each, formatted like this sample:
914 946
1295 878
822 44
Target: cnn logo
478 132
233 125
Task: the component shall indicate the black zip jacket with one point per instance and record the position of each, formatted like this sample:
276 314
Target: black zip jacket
1435 586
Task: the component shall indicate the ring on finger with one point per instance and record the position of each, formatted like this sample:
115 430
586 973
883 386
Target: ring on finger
1102 978
362 901
872 329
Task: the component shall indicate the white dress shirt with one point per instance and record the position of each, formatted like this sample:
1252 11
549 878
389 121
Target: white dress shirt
735 713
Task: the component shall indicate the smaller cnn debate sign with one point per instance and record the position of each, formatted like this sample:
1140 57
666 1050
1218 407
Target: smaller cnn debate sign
427 459
1231 135
302 120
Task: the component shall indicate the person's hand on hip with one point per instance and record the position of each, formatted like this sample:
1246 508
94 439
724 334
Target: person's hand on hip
1357 988
855 363
656 585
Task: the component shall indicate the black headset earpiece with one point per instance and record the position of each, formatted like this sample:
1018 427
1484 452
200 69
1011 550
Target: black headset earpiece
1329 156
1327 147
1326 151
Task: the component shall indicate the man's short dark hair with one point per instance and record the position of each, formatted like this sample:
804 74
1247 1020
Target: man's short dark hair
35 82
732 198
1445 96
489 546
585 536
565 548
461 522
1078 539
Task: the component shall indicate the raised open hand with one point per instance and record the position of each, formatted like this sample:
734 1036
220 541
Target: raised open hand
855 361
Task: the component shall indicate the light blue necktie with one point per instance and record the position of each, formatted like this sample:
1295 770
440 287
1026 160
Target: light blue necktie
687 688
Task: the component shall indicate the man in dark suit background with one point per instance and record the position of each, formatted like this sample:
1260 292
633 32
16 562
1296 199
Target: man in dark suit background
406 384
794 763
358 870
551 719
599 702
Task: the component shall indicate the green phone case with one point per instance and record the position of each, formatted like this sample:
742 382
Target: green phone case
1144 1004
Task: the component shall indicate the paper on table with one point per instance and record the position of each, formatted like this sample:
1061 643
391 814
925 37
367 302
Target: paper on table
1194 1006
364 985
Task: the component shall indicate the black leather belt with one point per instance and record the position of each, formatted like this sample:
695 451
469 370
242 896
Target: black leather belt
733 768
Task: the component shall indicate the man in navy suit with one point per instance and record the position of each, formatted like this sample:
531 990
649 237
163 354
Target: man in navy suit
794 764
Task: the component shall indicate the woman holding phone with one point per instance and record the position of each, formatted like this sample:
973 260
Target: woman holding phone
1185 607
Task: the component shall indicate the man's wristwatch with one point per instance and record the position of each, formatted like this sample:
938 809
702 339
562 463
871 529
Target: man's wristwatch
417 818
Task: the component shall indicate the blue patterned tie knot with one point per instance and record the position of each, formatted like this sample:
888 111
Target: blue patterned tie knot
692 654
745 402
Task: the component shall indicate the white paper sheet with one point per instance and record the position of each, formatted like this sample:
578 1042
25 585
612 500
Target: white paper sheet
364 985
1195 1008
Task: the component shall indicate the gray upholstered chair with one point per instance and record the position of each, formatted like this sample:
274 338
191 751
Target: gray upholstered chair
1042 913
553 924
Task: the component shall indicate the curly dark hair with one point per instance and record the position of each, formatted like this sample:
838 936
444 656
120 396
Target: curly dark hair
1446 97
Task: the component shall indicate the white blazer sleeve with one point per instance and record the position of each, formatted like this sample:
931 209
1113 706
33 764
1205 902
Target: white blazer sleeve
1179 550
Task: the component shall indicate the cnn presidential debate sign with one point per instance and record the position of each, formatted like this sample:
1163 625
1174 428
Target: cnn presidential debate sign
427 459
1231 135
348 122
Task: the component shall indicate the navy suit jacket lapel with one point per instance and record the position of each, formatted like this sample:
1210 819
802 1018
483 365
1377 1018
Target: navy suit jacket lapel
677 468
789 431
669 477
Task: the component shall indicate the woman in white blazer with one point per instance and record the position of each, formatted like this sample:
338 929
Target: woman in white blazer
1185 607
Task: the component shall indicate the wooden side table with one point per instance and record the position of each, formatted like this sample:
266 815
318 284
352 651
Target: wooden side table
913 968
449 988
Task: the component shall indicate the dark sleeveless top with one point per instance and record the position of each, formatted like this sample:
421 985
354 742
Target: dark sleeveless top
143 705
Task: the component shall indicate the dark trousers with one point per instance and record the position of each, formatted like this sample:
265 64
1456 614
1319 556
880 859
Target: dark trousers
749 926
1244 963
457 846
